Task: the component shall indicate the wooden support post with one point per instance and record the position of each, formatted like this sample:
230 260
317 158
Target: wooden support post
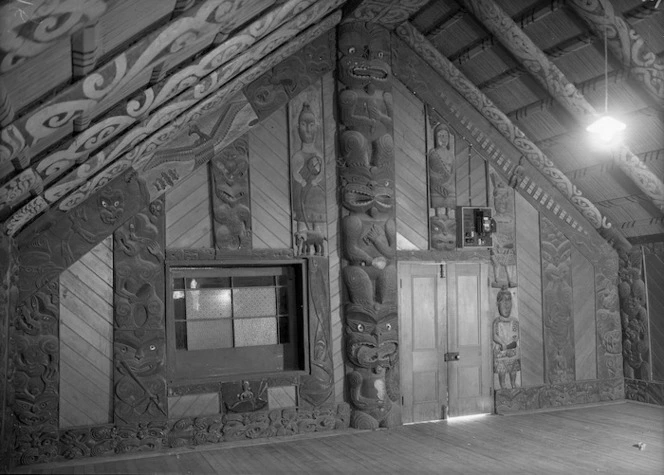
368 225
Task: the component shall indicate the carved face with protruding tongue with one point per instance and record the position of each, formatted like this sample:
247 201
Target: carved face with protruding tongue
366 50
372 338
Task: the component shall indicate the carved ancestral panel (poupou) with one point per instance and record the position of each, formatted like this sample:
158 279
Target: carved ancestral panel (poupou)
139 346
557 305
634 316
307 172
36 375
503 253
368 229
231 203
8 301
317 388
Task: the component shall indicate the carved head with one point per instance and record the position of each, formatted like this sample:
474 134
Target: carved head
372 339
111 205
366 56
441 134
504 302
307 125
443 233
367 190
140 351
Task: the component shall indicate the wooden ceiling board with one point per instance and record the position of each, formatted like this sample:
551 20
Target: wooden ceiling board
554 28
487 64
458 36
541 122
516 94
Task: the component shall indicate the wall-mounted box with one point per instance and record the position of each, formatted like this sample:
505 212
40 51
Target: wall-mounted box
475 227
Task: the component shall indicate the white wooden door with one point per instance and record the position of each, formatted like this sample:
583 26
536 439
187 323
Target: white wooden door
441 316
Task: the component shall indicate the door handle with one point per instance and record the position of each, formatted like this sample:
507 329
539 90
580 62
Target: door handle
452 356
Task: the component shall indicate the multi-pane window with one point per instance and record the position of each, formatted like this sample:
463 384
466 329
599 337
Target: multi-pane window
233 313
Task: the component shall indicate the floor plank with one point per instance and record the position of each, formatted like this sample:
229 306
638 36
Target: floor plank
597 439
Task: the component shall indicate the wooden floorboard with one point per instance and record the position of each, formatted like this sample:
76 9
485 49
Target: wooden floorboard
595 439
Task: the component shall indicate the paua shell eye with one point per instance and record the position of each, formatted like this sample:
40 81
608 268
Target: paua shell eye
360 327
351 50
104 204
380 54
117 203
153 347
388 326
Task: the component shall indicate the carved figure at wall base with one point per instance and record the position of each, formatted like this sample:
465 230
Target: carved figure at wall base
505 335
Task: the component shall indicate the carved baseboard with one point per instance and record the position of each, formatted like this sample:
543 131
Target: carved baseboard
651 392
150 436
567 394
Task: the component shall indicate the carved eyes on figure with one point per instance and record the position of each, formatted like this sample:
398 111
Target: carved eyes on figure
388 326
360 327
351 50
153 347
104 203
380 54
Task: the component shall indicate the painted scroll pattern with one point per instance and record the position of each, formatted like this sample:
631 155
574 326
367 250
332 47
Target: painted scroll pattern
368 228
140 143
139 339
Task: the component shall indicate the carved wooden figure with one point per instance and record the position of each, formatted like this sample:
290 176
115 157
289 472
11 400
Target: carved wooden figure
505 336
139 346
368 227
308 174
231 205
503 253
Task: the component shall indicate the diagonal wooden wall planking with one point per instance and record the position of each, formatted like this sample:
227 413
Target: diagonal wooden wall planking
583 308
410 170
270 185
529 293
86 338
188 221
655 285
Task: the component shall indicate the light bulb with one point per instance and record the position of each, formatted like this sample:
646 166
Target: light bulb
606 128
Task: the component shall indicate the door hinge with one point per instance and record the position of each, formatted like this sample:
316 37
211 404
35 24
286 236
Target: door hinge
442 271
402 401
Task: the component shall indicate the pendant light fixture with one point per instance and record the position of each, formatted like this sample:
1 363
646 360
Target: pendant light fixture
606 127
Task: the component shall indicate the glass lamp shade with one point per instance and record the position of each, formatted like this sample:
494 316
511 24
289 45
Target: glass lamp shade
606 128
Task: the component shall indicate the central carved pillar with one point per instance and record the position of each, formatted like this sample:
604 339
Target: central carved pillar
368 227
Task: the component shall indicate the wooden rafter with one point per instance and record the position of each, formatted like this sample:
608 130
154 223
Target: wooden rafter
541 68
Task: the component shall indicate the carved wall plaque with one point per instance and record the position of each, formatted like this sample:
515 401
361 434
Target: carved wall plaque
139 346
307 165
557 305
231 204
368 229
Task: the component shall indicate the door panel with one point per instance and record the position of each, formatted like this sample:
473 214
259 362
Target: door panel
469 334
422 322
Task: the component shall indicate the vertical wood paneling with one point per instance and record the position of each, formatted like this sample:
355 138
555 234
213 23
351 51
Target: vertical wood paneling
330 142
559 366
86 330
583 287
270 185
410 166
188 222
655 287
478 180
529 294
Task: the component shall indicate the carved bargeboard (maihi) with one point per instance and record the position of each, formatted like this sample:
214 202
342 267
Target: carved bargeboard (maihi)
307 164
368 229
139 346
231 205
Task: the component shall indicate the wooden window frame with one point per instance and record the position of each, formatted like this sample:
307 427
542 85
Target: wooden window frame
225 364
